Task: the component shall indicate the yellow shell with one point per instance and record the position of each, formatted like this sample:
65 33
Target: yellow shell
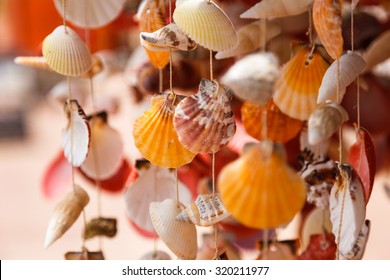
327 22
66 53
296 89
259 189
205 23
155 135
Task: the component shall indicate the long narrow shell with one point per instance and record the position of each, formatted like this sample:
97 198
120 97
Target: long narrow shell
250 39
325 121
277 8
179 237
259 189
106 150
38 62
76 136
358 249
166 38
204 121
90 13
65 214
347 202
155 135
296 89
205 23
327 21
66 53
351 65
378 51
253 77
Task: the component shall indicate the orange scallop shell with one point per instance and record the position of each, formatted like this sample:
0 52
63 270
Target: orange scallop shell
155 135
259 189
280 127
327 22
296 89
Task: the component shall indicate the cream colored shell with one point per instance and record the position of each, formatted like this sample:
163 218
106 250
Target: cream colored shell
38 62
378 51
277 8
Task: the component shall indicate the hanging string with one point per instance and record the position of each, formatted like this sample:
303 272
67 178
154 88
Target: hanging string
177 188
160 80
211 65
310 30
263 34
64 16
265 244
344 179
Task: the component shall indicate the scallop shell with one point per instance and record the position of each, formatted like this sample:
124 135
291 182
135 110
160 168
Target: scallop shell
253 77
351 66
259 189
156 256
153 184
76 136
106 149
277 8
100 227
66 53
90 14
250 39
279 127
204 121
327 22
347 208
166 38
205 23
65 214
207 210
155 135
325 121
378 51
296 89
317 222
38 62
179 237
358 249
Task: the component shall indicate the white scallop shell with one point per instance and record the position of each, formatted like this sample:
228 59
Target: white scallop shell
205 23
66 53
351 65
378 51
179 237
250 39
105 152
156 256
277 8
76 136
253 77
90 13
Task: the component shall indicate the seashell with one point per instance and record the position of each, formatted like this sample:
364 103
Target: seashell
296 89
327 22
38 62
225 245
65 214
250 39
84 255
90 14
76 136
259 189
325 121
220 256
253 77
240 138
205 23
96 68
106 149
358 249
347 206
179 237
279 127
204 121
277 8
156 256
378 51
166 38
59 93
363 159
277 250
155 135
153 184
354 3
66 53
351 66
100 227
316 223
207 210
321 247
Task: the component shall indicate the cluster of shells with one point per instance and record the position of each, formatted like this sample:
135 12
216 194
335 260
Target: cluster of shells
257 105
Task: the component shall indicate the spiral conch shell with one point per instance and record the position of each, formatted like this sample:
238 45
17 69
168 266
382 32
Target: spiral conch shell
325 121
259 189
277 8
167 37
155 135
66 53
204 121
65 214
207 210
205 23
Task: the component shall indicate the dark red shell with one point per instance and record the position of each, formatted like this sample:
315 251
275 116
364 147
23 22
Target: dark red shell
321 247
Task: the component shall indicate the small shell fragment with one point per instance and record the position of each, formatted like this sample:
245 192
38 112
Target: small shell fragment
84 255
100 227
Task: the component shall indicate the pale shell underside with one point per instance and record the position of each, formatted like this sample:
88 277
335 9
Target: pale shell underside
277 8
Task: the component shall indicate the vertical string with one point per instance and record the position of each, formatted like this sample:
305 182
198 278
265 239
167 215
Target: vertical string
160 80
265 244
263 34
177 188
310 27
64 15
211 65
